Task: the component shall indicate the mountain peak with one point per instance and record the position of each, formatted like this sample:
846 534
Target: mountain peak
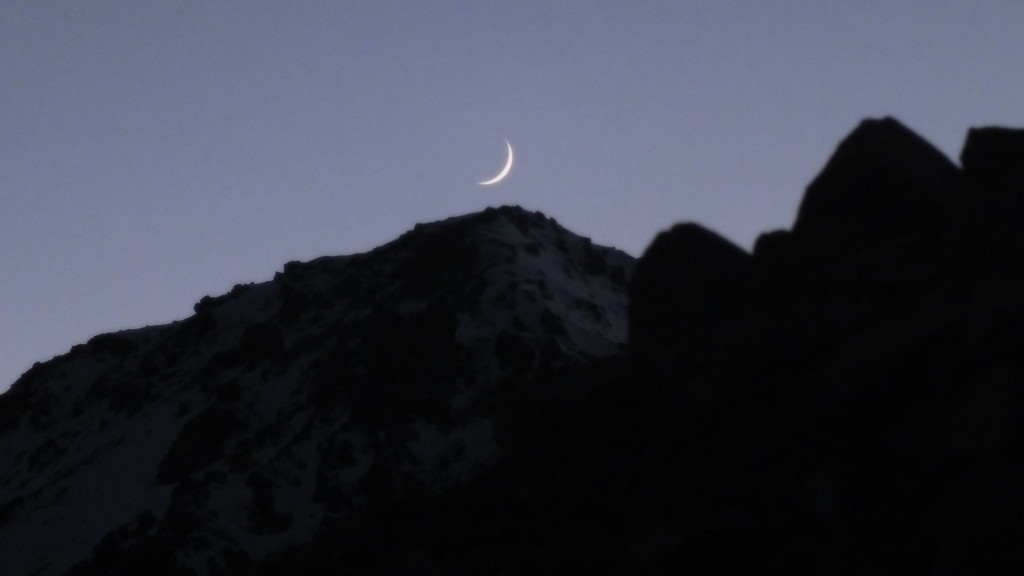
336 387
883 180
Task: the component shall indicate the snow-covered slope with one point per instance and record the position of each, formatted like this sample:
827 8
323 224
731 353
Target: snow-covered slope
340 386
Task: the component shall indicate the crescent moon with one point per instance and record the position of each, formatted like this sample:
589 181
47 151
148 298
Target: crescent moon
504 171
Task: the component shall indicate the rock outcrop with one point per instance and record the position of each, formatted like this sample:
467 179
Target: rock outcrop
993 159
883 182
689 299
879 424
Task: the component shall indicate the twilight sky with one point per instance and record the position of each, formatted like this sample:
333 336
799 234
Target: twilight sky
152 152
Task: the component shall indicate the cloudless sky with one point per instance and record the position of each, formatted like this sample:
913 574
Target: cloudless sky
153 152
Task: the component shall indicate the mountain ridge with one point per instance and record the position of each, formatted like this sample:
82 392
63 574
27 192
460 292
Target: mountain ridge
495 393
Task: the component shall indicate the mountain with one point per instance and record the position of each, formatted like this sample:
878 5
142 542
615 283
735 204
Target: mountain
495 394
339 387
847 399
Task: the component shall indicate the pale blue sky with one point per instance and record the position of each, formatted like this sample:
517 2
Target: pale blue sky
155 152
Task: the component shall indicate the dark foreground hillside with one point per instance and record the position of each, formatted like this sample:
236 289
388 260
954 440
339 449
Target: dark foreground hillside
472 399
847 399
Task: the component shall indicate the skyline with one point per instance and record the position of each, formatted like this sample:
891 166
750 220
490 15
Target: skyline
152 154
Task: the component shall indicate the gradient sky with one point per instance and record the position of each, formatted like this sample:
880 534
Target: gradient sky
152 153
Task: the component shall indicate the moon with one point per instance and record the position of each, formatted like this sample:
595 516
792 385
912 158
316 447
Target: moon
504 171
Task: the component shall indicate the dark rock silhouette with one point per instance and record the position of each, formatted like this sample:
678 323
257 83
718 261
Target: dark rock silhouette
846 399
878 425
883 182
688 300
993 158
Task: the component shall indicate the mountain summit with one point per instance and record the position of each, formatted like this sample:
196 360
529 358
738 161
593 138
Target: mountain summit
495 394
338 387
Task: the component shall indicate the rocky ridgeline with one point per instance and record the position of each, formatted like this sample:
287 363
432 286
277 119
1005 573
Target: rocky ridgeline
848 398
844 400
